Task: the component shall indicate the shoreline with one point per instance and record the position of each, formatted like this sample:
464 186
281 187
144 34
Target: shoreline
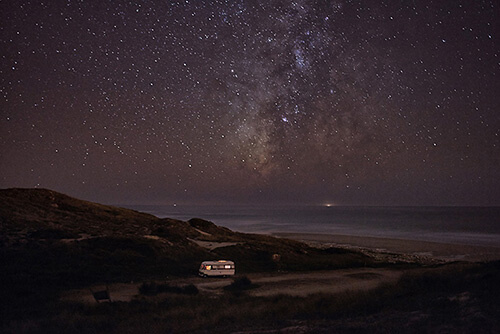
416 248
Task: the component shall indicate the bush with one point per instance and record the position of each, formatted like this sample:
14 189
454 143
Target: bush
240 284
191 289
52 234
152 289
148 289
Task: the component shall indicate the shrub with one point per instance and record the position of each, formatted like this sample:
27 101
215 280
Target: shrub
152 289
240 284
148 289
191 289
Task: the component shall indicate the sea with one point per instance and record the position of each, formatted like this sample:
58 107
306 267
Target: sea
458 225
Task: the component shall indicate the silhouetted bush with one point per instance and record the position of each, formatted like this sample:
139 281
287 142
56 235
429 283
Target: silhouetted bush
152 288
51 233
191 289
240 284
148 288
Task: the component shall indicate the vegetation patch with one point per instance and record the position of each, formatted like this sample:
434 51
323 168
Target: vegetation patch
52 233
240 284
462 299
153 288
363 276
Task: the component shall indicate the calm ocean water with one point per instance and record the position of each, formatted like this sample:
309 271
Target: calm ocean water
463 225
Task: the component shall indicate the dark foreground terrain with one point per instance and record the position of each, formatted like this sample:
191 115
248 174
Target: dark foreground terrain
52 244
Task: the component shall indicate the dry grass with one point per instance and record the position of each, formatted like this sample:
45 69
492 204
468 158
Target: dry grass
450 299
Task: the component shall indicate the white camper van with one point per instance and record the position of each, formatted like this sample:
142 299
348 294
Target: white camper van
216 268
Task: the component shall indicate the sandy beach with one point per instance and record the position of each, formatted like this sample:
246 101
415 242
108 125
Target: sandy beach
435 250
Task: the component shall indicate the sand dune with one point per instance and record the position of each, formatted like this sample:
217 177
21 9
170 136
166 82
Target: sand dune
423 249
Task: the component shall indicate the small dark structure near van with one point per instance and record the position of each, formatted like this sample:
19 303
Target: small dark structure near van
101 295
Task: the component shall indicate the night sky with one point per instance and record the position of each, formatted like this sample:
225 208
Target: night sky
216 102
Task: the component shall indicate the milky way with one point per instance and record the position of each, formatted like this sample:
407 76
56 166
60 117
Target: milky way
344 102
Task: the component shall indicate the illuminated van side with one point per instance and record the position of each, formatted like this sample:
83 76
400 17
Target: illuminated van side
217 268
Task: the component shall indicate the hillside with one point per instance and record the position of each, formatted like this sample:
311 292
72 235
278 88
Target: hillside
52 245
51 236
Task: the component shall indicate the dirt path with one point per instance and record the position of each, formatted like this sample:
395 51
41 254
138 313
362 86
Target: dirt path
303 284
295 284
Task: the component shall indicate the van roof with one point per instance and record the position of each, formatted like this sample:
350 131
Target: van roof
219 261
